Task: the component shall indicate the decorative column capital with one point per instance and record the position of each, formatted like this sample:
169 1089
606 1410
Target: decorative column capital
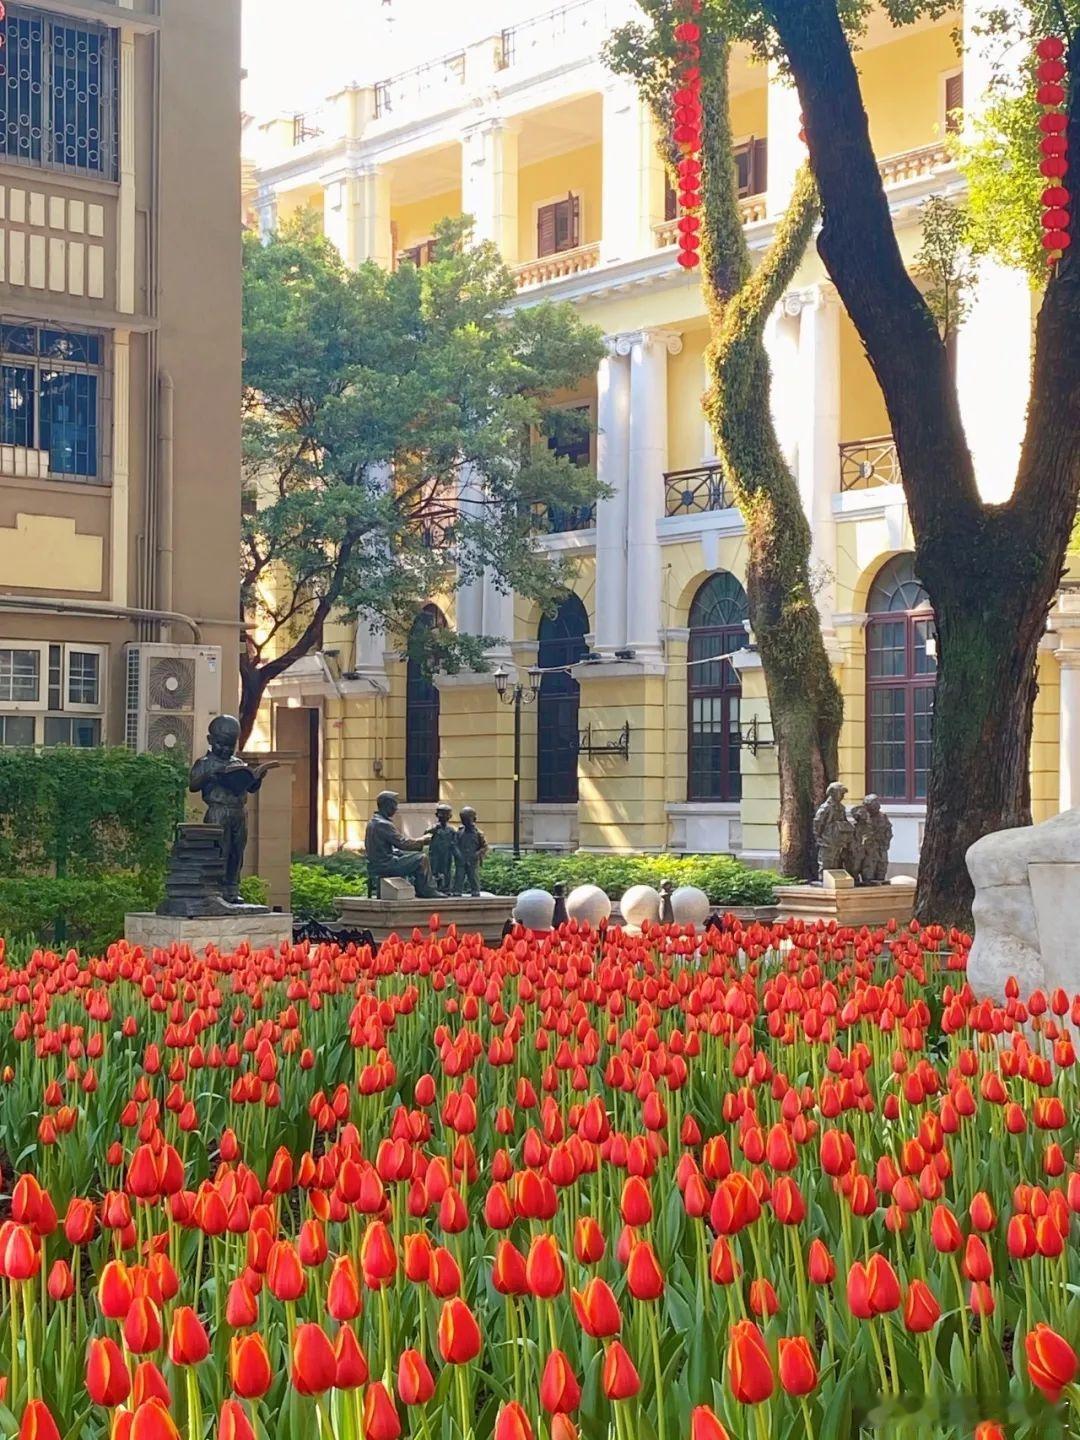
646 340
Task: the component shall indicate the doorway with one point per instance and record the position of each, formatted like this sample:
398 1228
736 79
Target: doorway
297 735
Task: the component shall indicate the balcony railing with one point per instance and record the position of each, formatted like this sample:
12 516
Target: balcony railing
562 519
915 164
697 491
865 464
751 210
306 125
421 85
557 267
579 24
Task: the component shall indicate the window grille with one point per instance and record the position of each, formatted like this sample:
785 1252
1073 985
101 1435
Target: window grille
59 93
53 402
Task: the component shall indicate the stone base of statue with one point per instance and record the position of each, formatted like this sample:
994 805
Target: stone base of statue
485 915
253 925
1027 907
848 904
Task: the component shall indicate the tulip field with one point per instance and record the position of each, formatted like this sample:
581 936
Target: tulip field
764 1182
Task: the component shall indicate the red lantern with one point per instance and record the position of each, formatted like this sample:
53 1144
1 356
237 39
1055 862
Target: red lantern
1051 71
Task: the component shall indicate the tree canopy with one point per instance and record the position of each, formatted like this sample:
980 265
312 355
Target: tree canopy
391 421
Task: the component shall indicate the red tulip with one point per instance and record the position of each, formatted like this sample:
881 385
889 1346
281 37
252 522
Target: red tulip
107 1380
284 1272
314 1364
796 1366
705 1426
380 1415
1051 1361
142 1326
459 1334
234 1423
378 1258
882 1284
249 1366
644 1278
821 1267
749 1366
352 1366
37 1422
152 1421
544 1272
921 1309
513 1423
620 1379
597 1309
343 1292
189 1343
559 1388
415 1383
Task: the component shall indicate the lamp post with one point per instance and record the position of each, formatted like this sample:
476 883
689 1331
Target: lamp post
517 695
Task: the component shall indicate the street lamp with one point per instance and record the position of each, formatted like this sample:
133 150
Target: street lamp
517 695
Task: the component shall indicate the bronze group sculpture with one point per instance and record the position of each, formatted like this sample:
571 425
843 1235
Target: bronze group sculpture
392 855
858 843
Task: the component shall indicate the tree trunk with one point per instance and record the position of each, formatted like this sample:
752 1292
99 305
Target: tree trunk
253 685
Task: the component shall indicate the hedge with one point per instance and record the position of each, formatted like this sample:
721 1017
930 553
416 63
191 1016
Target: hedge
318 880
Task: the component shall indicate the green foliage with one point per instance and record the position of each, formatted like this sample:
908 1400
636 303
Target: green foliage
84 911
945 264
254 890
1001 164
317 881
370 398
87 812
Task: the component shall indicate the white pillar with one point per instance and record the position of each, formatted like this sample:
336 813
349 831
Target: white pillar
341 215
371 217
786 398
1069 745
370 641
470 595
612 469
633 178
489 183
819 441
266 209
498 613
648 461
993 397
786 150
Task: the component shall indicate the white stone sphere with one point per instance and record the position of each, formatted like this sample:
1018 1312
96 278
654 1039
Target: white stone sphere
588 905
690 906
640 906
535 909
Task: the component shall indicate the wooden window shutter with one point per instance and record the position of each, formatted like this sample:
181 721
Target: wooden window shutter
671 199
744 159
545 230
759 168
954 102
574 203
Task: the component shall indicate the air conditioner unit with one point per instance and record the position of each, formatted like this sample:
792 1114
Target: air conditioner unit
173 692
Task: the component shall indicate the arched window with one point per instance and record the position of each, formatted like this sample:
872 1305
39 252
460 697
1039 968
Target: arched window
901 673
717 628
562 643
422 720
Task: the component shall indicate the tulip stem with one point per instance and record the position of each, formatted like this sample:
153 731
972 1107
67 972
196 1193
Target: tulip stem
14 1320
463 1403
31 1369
804 1406
654 1335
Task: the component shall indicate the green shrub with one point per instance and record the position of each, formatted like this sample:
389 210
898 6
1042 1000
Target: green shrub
318 880
86 912
255 890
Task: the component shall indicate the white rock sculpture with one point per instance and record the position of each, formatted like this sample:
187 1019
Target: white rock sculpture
1027 907
535 909
640 905
690 906
588 905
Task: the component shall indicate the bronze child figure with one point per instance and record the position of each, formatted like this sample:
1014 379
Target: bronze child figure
472 847
443 854
225 780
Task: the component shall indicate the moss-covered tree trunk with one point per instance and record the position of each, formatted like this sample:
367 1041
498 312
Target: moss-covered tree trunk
991 571
804 699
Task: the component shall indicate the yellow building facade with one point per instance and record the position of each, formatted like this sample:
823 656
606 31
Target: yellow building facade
650 729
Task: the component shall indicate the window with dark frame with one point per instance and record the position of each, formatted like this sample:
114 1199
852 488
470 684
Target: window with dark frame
718 618
752 167
901 677
954 103
58 93
562 644
558 226
57 691
418 255
52 384
422 720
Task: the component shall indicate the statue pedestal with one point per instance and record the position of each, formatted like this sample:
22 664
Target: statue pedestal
264 931
871 905
486 915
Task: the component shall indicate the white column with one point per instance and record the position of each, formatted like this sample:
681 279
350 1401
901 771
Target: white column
498 613
786 398
633 178
819 441
370 640
648 461
266 209
371 217
470 596
489 183
1069 743
786 150
341 215
993 397
612 469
